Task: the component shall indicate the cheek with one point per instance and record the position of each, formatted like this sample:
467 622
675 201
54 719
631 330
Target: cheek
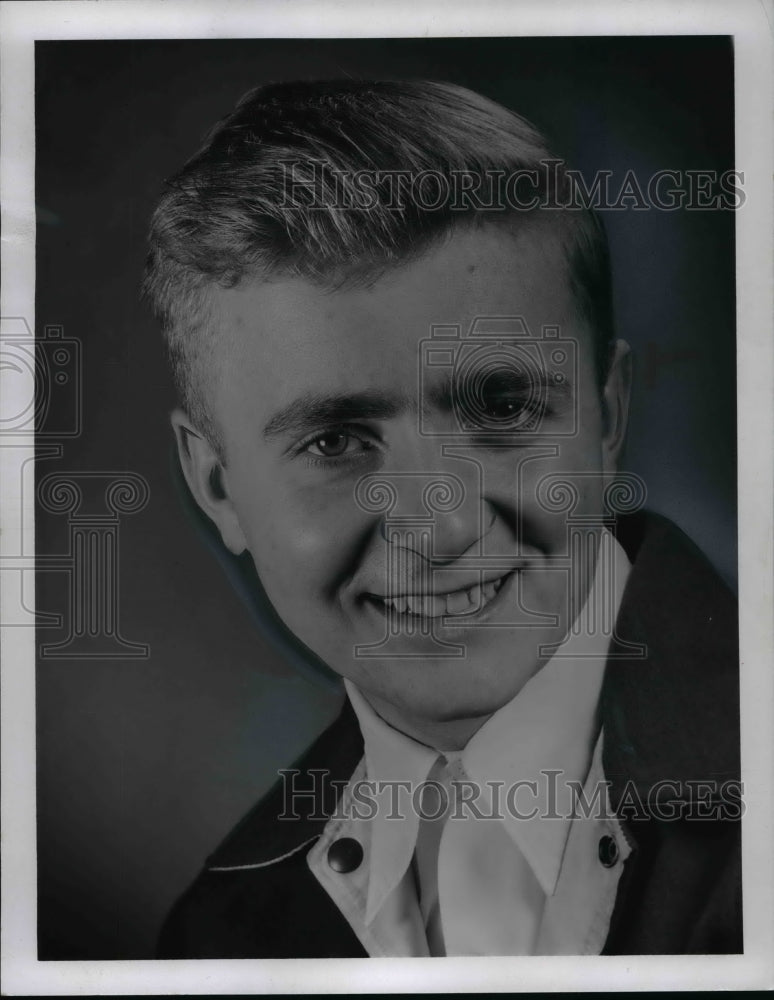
301 540
554 488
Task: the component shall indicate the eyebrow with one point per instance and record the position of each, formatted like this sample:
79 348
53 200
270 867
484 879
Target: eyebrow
314 410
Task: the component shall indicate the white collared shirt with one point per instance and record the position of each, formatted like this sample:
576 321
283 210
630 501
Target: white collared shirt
509 885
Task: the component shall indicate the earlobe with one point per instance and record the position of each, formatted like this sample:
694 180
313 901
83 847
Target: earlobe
615 406
206 478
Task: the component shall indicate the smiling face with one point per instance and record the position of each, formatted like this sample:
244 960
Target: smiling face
329 402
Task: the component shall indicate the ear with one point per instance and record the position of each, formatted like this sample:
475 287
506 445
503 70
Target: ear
206 477
615 406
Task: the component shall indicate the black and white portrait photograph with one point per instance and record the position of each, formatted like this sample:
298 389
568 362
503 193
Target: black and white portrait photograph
387 479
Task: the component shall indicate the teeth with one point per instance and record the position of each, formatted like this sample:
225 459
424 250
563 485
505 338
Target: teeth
435 606
459 602
415 604
428 606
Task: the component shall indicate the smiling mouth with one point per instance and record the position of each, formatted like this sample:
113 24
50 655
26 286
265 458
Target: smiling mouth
456 604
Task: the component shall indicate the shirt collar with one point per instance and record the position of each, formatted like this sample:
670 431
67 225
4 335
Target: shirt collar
546 734
390 757
550 726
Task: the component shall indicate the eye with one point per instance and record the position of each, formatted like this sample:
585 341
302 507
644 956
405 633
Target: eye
503 408
331 444
337 443
500 400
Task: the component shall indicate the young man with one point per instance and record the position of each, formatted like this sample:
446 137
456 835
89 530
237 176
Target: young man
403 407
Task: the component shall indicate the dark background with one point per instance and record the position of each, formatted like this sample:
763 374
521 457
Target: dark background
144 764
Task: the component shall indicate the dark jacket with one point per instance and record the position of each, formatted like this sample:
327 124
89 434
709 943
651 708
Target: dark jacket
671 717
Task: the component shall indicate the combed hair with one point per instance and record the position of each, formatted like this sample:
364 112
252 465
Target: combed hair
274 192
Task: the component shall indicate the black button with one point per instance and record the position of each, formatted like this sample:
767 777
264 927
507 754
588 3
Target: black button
345 855
608 851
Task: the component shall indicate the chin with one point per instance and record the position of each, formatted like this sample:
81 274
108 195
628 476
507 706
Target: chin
443 697
460 710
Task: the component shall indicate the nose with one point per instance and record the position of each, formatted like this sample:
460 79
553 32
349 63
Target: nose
439 512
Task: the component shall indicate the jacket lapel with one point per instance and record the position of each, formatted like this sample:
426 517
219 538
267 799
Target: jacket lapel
278 826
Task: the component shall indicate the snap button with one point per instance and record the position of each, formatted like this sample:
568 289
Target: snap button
345 855
608 851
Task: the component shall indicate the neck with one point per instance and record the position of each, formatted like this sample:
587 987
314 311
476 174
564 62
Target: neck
441 735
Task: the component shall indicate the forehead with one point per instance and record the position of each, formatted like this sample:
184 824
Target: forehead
280 338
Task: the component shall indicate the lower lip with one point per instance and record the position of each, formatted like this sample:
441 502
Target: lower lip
448 625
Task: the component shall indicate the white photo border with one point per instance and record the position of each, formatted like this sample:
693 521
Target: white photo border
749 22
